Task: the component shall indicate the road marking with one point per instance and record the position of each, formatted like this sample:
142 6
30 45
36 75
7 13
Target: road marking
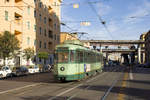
131 75
106 94
65 92
11 90
124 84
60 94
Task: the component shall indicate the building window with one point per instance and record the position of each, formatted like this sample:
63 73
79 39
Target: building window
28 40
28 10
55 4
55 37
40 4
45 32
45 7
28 25
44 45
45 20
55 26
34 13
40 45
34 42
50 34
40 30
49 45
50 21
6 15
40 17
34 28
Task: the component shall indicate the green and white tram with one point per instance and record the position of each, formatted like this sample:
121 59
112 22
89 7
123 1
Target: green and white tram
73 61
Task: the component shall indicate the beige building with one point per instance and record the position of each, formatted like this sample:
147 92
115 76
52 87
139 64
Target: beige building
67 36
36 23
147 46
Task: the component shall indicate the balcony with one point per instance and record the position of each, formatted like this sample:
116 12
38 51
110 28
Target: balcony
19 4
17 1
18 23
18 34
18 16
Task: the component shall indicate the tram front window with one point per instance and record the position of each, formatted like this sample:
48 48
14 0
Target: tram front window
62 57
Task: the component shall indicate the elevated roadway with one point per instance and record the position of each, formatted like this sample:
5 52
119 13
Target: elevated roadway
113 42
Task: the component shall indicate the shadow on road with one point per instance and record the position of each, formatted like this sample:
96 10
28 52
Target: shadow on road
133 92
47 77
139 81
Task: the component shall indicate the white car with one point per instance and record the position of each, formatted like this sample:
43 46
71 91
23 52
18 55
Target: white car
34 69
5 72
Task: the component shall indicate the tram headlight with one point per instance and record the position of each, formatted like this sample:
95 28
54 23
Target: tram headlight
62 68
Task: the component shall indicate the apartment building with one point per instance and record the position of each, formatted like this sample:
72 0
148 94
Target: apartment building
36 23
147 46
142 46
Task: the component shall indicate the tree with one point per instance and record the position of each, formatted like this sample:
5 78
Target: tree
28 53
8 45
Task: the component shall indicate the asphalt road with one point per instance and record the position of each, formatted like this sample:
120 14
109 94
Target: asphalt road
114 83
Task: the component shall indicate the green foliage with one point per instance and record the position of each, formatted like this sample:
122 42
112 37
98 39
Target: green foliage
43 55
8 44
28 53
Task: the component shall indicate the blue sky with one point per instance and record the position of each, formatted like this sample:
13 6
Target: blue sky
125 19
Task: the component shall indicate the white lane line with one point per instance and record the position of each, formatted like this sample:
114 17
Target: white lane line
19 88
131 75
106 94
60 94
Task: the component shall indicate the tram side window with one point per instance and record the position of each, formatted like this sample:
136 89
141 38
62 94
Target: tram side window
86 57
79 57
72 56
63 57
89 58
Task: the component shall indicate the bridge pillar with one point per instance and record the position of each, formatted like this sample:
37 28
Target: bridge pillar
107 57
143 58
139 55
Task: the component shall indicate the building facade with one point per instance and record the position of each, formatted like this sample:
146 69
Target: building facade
36 23
67 36
147 47
142 46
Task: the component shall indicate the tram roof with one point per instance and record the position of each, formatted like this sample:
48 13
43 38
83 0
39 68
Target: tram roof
75 45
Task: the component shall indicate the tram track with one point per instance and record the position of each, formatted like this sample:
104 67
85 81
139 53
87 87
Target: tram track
87 83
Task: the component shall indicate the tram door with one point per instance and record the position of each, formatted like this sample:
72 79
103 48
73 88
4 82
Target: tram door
78 63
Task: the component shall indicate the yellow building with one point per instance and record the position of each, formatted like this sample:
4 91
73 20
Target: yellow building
67 36
36 23
147 46
142 46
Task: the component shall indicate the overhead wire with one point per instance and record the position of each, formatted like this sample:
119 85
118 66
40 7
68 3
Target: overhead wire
102 22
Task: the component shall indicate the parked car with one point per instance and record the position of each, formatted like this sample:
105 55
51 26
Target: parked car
34 69
5 71
18 71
